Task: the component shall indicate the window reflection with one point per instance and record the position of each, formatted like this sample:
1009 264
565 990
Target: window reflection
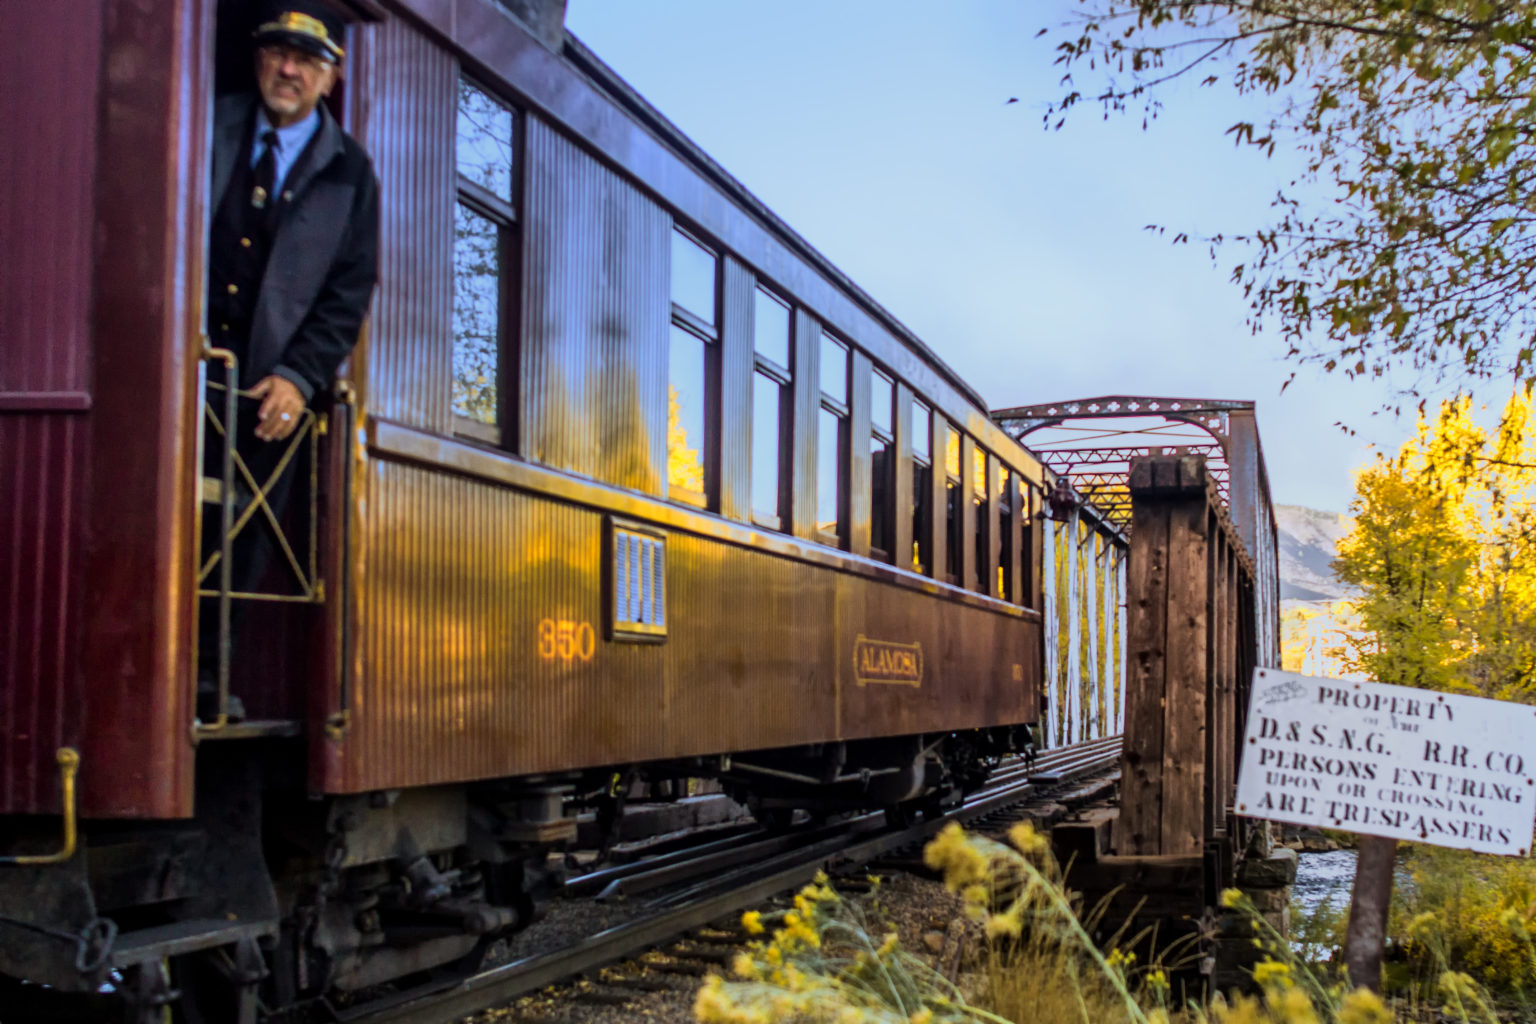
1005 521
484 146
476 315
882 466
686 411
829 477
693 277
954 525
983 525
767 403
922 430
770 332
922 489
834 369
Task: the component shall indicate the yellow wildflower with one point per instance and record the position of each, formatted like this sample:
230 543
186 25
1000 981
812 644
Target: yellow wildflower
1362 1006
1007 924
975 893
952 852
752 921
1270 972
1423 926
711 1006
1120 959
887 945
1290 1005
1231 898
1157 981
803 905
923 1016
1026 840
743 966
874 881
1245 1011
773 955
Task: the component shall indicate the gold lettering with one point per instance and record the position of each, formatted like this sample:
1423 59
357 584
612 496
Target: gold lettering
888 662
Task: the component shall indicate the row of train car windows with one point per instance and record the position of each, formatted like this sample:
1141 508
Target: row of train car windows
485 223
690 401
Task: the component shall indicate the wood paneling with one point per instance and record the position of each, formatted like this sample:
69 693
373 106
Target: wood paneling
859 481
1190 638
805 403
593 388
737 298
406 116
151 173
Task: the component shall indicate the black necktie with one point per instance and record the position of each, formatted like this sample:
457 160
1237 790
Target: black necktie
266 171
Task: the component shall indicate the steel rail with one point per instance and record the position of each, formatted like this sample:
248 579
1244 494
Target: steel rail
456 999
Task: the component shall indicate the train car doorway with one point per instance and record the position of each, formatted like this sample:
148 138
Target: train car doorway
262 630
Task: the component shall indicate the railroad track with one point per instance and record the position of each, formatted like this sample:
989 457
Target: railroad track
729 875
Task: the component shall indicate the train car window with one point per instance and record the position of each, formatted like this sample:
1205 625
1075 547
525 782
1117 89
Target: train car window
832 443
1005 512
982 519
687 360
692 407
770 331
829 475
834 369
767 431
694 277
954 524
922 488
882 466
770 392
484 141
483 234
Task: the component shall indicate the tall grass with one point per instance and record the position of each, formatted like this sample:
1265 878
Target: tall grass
828 959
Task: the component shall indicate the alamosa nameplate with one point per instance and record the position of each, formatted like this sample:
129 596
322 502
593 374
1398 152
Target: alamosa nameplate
1392 761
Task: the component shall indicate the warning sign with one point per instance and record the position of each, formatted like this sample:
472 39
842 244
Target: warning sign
1390 761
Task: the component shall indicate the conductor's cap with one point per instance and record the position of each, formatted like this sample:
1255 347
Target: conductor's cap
309 26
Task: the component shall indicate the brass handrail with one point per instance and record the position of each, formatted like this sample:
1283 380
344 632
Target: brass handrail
69 765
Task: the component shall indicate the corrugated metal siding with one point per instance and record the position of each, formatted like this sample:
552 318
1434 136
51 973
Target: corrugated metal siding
458 576
805 393
595 315
51 56
737 296
41 463
407 123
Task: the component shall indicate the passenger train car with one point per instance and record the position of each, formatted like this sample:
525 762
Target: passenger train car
624 481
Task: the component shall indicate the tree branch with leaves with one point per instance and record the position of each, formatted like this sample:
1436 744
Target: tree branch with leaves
1416 122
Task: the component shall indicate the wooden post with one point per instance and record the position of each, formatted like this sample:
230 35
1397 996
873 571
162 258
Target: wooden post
1365 939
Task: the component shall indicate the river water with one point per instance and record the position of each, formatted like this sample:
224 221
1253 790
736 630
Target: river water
1324 876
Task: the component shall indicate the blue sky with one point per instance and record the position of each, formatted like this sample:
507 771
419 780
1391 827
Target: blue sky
879 129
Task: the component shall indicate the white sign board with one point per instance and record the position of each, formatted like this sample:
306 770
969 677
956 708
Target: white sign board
1391 761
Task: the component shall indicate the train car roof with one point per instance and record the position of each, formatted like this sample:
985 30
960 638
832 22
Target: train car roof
668 134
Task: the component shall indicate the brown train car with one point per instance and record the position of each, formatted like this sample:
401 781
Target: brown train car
624 479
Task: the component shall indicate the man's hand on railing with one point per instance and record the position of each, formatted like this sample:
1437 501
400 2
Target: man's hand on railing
281 406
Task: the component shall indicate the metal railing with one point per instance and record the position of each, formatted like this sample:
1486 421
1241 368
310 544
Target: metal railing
240 497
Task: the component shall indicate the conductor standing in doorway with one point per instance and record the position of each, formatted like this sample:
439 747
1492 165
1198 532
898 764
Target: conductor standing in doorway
293 259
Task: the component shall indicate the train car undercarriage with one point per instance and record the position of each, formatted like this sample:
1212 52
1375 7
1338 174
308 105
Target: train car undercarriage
270 900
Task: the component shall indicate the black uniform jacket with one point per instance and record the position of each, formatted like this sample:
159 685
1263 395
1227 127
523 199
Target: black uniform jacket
324 259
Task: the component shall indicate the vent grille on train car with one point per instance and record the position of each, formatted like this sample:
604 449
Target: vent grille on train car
637 596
